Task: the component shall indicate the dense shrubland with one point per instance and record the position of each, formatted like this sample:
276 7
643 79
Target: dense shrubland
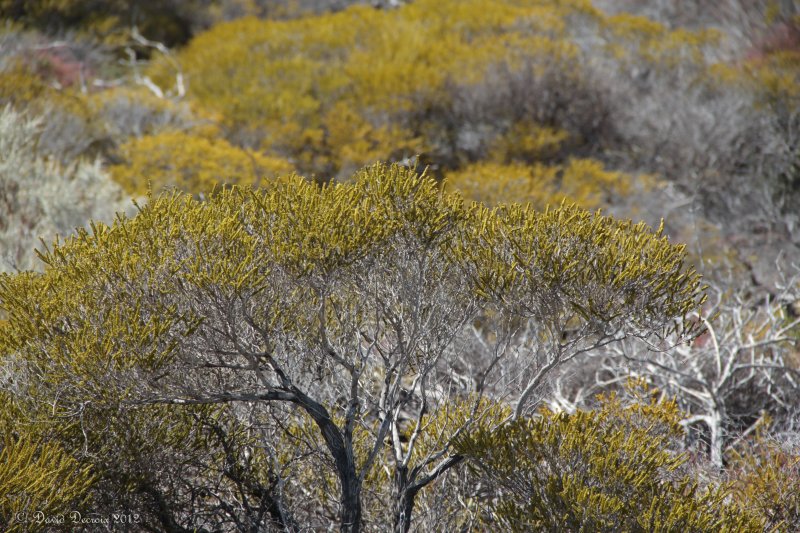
452 342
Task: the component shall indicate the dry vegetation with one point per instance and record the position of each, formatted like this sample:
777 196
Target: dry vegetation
238 321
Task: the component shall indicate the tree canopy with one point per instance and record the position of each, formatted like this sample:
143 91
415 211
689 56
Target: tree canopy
346 301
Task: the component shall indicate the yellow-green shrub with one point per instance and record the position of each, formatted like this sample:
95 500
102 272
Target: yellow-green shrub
278 83
191 163
20 86
38 481
281 84
634 38
583 181
149 309
612 469
766 478
527 141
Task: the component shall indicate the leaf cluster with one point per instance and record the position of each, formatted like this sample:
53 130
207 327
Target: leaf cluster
611 469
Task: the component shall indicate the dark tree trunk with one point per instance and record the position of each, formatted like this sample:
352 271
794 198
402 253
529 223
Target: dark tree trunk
406 487
350 514
342 452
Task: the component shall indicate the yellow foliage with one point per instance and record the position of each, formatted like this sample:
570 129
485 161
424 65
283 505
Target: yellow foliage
19 86
779 78
285 82
632 37
191 163
528 141
612 469
144 294
38 480
766 479
582 181
774 78
25 89
337 91
354 140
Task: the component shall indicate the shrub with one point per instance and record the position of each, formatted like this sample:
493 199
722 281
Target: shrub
765 472
70 130
612 469
582 181
135 112
392 76
191 163
38 480
171 22
42 198
343 301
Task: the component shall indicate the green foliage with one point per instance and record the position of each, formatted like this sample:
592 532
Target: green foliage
612 469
